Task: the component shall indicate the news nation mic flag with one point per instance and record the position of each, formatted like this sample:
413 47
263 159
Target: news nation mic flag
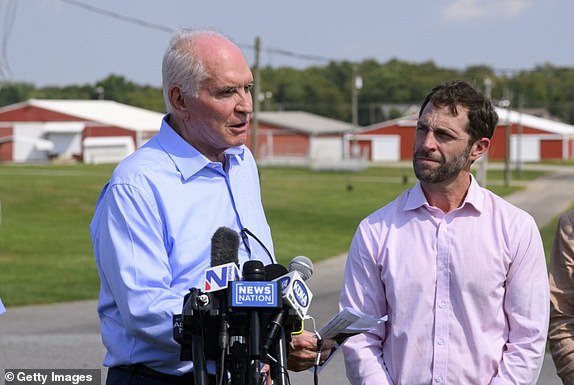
219 277
295 292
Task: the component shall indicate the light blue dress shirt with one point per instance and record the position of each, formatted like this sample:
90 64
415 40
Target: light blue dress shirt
151 234
2 308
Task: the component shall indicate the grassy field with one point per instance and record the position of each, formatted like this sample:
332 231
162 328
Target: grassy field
45 249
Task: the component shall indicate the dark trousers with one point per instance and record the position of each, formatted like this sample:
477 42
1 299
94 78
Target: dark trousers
141 375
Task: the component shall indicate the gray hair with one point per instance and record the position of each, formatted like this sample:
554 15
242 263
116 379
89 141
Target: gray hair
181 66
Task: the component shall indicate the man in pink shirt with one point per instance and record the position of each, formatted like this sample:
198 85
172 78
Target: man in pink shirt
459 271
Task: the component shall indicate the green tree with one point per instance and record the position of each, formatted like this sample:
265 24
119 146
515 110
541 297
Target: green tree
326 90
11 93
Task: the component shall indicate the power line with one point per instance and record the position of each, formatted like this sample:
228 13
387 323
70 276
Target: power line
8 22
269 50
119 16
163 28
302 56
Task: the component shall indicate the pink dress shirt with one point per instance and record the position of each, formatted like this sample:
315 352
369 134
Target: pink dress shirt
466 293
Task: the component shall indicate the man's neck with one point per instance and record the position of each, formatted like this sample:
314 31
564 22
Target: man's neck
448 195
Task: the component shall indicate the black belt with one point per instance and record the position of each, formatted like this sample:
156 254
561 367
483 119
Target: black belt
184 379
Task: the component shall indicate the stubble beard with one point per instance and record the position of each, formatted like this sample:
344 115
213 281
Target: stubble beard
447 170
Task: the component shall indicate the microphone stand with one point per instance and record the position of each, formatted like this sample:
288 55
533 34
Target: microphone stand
199 302
254 347
254 271
279 367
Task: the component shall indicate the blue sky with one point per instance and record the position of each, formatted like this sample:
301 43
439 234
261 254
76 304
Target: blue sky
54 42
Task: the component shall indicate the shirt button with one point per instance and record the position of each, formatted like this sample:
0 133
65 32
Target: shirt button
440 342
437 380
442 304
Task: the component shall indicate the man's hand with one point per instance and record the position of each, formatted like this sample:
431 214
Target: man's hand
303 351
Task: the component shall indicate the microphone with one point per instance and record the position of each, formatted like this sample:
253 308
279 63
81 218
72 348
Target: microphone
275 341
295 293
293 287
224 246
224 269
273 272
302 265
224 260
254 275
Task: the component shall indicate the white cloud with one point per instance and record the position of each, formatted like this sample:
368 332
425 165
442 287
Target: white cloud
465 10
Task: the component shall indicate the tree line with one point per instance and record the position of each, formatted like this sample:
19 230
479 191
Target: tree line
327 90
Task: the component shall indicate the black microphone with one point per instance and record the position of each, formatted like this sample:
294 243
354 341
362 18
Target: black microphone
275 342
272 272
254 271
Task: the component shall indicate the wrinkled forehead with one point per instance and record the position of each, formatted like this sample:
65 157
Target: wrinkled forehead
443 117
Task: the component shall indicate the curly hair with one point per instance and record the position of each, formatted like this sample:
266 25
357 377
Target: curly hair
482 116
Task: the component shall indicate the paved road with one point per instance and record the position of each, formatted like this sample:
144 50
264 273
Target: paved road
67 335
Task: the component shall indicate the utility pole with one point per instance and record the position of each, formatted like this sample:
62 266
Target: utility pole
357 84
255 96
520 129
506 103
482 169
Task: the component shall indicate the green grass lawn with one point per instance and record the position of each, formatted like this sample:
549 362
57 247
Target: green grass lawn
45 248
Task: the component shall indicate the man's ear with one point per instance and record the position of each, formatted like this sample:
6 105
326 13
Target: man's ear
177 99
479 148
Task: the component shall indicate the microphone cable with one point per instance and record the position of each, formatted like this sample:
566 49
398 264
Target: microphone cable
281 367
317 362
244 232
317 359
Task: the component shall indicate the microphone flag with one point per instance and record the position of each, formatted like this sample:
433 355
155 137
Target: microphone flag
218 277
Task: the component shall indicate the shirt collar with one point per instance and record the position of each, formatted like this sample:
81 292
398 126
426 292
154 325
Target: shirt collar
187 158
474 197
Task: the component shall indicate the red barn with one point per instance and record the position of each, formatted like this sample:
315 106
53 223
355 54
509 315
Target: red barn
297 137
94 131
98 131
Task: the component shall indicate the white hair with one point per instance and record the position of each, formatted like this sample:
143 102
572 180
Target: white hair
181 66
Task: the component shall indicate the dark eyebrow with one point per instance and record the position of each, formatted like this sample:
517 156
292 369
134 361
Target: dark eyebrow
421 124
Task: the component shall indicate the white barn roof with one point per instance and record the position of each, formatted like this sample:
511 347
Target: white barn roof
104 112
504 117
305 122
552 126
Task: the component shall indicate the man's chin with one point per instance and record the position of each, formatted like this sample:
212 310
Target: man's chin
426 174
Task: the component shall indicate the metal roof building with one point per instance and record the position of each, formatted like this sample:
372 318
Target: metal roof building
97 131
530 138
39 130
302 138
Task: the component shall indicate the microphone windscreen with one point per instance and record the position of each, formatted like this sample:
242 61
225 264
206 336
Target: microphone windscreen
253 271
274 270
303 266
224 246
